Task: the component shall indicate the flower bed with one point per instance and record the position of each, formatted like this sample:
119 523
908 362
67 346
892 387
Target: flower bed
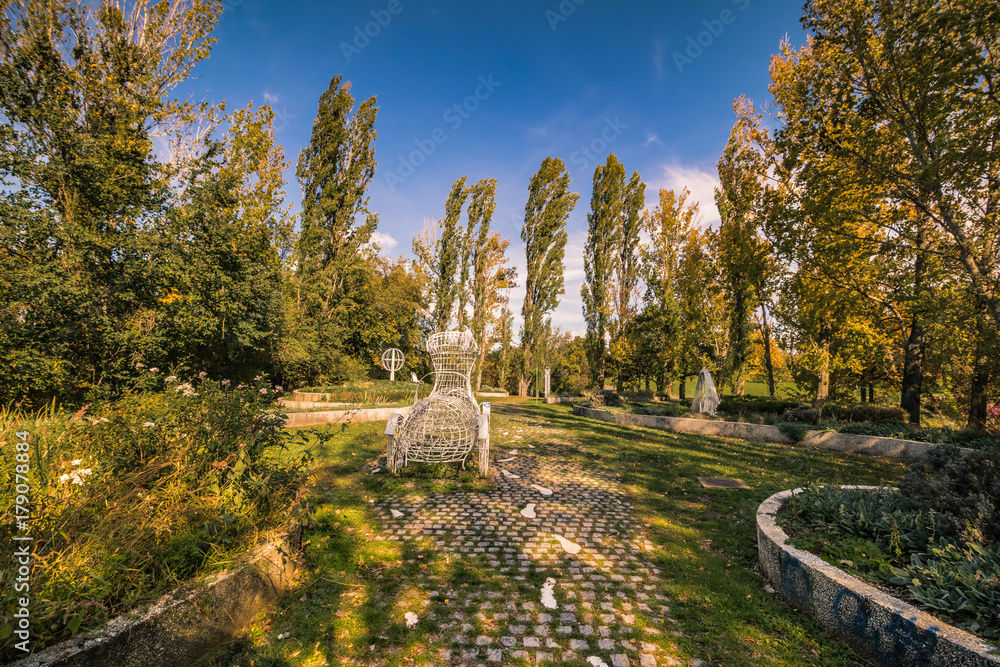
936 543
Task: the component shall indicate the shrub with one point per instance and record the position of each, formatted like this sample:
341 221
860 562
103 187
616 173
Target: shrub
964 490
864 413
131 498
962 583
802 414
658 410
797 431
600 398
755 405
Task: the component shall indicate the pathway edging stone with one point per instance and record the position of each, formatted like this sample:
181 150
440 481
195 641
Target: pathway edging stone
907 450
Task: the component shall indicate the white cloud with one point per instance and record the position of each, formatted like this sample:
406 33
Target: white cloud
384 241
702 185
270 98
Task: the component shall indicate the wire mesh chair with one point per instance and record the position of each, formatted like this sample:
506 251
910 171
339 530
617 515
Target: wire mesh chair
447 425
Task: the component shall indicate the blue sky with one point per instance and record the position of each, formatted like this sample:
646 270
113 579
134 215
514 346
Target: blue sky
489 89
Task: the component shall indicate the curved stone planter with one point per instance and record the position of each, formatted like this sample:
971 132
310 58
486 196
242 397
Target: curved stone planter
183 627
492 394
907 450
876 625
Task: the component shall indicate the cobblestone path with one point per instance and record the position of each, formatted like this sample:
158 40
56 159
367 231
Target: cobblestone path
572 580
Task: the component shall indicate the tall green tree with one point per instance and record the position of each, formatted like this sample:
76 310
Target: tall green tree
702 339
744 255
490 277
333 250
440 253
627 262
334 171
544 235
610 259
668 227
81 90
900 96
603 232
227 232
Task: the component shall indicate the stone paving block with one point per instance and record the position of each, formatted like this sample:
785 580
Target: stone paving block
647 660
619 660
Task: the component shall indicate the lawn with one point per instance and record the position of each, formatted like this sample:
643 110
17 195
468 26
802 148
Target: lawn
349 607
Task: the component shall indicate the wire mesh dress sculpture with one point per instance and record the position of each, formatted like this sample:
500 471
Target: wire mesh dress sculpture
447 425
706 399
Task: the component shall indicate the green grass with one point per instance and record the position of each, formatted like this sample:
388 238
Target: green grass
356 589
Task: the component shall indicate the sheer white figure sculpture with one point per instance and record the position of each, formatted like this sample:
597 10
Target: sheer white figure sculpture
445 426
706 399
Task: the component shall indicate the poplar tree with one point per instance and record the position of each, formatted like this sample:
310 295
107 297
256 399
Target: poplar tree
335 170
490 277
743 255
544 235
610 259
668 227
606 202
448 248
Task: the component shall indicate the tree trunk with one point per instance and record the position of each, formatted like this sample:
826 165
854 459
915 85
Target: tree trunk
913 357
767 352
913 347
978 402
871 391
682 390
823 386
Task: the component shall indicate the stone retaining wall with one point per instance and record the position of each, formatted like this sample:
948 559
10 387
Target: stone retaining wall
302 419
562 399
183 627
878 626
909 450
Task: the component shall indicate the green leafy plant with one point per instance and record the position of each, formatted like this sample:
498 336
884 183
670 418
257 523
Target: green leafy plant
131 498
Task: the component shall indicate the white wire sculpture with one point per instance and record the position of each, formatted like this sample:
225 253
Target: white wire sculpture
447 425
392 361
706 399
